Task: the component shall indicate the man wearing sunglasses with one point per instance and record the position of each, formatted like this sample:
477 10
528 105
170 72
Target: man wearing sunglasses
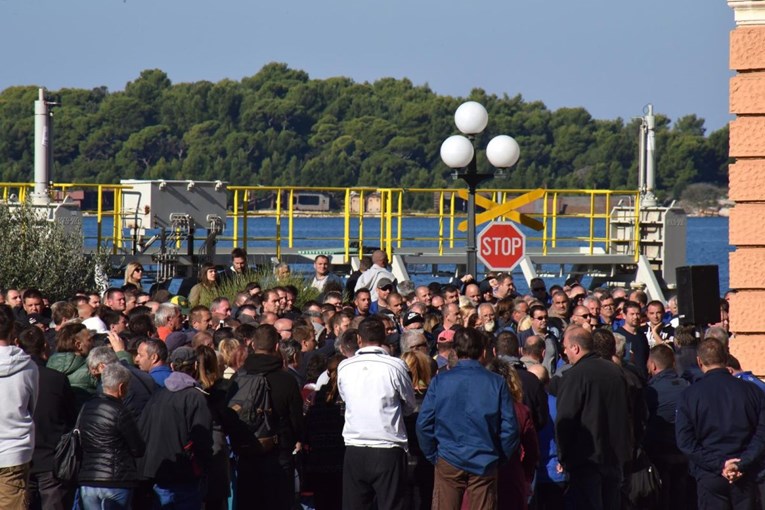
384 288
582 317
540 328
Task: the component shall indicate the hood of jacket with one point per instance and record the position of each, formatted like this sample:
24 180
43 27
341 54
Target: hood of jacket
65 362
178 381
262 363
13 360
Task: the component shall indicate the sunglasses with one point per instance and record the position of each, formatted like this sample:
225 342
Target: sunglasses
585 316
386 288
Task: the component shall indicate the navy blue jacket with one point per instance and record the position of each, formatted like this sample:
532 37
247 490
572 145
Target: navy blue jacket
468 419
720 418
661 395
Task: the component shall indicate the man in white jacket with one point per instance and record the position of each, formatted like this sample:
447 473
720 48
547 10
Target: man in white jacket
18 386
370 277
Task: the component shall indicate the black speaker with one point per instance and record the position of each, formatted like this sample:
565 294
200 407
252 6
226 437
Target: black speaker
698 295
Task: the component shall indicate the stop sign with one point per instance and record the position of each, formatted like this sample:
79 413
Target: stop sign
501 246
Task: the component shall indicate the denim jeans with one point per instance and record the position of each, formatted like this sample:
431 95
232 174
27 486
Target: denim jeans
185 496
105 498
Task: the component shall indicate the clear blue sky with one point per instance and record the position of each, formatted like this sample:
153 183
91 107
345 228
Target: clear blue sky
610 57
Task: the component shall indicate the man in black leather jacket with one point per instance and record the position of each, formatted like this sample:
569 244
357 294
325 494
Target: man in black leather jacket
110 443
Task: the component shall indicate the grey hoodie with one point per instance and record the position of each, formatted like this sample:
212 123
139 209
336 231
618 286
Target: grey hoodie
18 387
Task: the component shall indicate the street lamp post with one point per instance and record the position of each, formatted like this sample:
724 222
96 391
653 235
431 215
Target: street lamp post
458 152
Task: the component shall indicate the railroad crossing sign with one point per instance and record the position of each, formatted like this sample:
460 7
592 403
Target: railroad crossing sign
494 210
501 246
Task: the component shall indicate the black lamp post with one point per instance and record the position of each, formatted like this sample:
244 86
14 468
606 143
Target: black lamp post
458 152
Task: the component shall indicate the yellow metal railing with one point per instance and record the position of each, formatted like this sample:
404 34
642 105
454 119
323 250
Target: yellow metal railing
114 241
558 208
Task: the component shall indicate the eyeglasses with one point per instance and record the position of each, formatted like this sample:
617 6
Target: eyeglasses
386 288
543 318
585 316
578 296
418 346
138 270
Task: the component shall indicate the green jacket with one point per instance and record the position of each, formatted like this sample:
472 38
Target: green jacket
75 368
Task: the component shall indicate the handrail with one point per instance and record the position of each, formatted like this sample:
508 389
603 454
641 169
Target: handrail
390 207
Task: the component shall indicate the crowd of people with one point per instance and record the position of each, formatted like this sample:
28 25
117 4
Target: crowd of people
377 394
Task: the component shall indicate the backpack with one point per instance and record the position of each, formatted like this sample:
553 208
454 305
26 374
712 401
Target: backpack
252 404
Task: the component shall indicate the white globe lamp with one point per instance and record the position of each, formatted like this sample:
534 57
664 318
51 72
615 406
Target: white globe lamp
471 118
503 151
457 151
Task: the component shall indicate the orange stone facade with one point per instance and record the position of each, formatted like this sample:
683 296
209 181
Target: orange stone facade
747 184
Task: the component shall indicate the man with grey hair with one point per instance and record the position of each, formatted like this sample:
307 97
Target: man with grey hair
111 440
406 289
718 334
169 321
141 385
487 318
413 339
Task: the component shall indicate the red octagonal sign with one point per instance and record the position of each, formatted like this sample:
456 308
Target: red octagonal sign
501 246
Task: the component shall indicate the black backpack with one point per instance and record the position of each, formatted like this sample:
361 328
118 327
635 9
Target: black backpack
252 404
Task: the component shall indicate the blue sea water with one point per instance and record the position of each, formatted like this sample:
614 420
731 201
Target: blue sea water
707 238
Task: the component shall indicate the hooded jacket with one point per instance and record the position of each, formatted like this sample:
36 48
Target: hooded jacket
285 397
177 427
75 368
18 387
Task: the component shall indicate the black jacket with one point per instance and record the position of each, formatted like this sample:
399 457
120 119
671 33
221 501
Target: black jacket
593 425
110 442
55 414
139 391
177 427
285 397
534 394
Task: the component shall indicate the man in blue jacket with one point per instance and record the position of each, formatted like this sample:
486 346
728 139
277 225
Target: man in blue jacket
467 427
720 426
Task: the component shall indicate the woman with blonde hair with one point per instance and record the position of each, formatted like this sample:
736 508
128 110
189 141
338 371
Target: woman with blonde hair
420 472
226 350
208 283
419 368
133 274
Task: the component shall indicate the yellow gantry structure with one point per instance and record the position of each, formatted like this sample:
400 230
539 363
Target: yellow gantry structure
545 210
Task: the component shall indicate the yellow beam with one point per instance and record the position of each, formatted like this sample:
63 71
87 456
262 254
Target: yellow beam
494 210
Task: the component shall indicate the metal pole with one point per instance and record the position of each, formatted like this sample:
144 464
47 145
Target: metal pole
472 259
42 152
649 199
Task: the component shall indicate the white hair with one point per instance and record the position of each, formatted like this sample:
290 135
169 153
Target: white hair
103 355
113 375
165 312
